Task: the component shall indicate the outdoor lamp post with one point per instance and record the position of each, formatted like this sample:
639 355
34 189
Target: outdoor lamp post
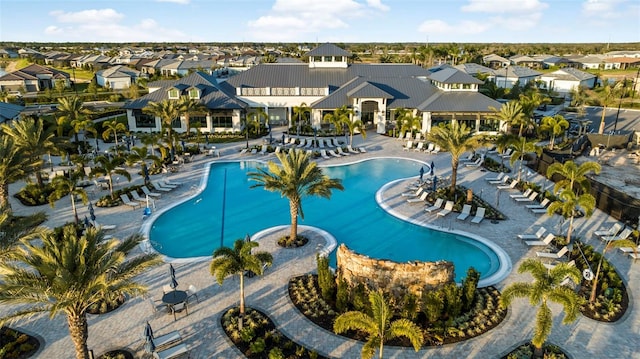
624 87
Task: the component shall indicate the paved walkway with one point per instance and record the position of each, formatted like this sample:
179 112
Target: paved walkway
201 330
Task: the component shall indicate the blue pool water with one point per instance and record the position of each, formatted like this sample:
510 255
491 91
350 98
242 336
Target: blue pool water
352 216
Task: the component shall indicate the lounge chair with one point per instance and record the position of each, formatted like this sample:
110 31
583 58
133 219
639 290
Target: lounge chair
419 147
504 180
615 228
543 243
418 136
244 151
430 147
634 255
173 352
341 152
277 150
263 151
415 193
436 150
351 150
436 206
422 198
553 255
166 184
333 153
629 249
448 207
166 339
104 227
158 187
302 143
469 158
571 263
492 149
321 142
334 142
623 235
466 211
532 236
323 154
507 153
479 215
539 210
362 150
477 163
497 178
126 200
512 185
309 143
541 205
136 197
522 195
254 151
532 197
408 146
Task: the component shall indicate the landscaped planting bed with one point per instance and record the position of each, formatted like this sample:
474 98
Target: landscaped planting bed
16 344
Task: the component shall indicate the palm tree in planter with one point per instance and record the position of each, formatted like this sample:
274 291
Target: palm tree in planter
238 260
167 111
456 139
379 326
510 114
296 177
70 110
620 243
352 127
521 146
503 142
573 174
546 286
569 204
109 167
555 126
141 155
68 186
300 113
67 275
112 128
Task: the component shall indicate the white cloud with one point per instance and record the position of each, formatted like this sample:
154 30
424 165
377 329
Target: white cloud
87 16
289 19
603 9
182 2
504 6
441 27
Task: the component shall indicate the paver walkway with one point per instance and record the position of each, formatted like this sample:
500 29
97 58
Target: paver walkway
201 330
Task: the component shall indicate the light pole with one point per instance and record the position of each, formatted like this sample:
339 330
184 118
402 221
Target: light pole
624 87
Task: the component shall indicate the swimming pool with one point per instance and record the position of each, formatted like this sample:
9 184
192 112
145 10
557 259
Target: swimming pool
194 228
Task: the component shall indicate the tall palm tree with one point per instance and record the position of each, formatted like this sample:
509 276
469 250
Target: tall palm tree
14 166
339 116
569 204
190 106
238 260
260 116
410 122
70 110
456 139
167 111
490 89
110 167
112 128
64 186
555 126
67 275
620 243
545 287
521 146
32 140
378 326
296 177
85 125
503 141
142 155
300 114
608 95
352 127
13 228
510 114
573 174
398 115
531 101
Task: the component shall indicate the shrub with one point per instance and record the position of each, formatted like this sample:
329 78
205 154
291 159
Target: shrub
257 346
432 305
276 353
326 279
469 286
342 295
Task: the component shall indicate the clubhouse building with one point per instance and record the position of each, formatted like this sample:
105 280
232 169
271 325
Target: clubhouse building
326 82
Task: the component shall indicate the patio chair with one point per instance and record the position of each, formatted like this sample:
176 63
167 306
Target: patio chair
303 143
422 198
430 147
532 197
362 150
553 255
504 180
158 187
545 242
333 153
419 147
323 154
497 178
507 153
408 146
166 289
448 207
540 205
522 195
477 163
127 201
148 192
532 236
263 151
351 150
157 306
623 235
192 291
415 193
136 197
436 206
571 263
173 352
166 339
512 185
479 215
166 184
341 152
177 308
466 212
436 150
615 228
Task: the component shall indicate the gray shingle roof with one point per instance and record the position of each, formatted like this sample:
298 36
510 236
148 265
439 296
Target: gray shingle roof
328 50
9 111
214 95
453 76
517 71
575 73
473 69
369 90
459 101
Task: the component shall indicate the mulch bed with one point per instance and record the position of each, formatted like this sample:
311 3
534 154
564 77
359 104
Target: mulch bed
117 354
16 344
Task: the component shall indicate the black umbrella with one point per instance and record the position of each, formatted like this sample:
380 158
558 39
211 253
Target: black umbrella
150 346
146 174
92 214
421 173
172 273
183 148
86 222
435 183
433 166
148 332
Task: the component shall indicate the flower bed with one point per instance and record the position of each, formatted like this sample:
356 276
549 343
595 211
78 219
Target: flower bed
16 344
525 351
286 241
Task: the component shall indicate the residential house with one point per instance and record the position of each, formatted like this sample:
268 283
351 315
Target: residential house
508 76
94 62
118 77
9 112
474 69
495 62
556 61
33 78
8 54
590 62
567 79
623 53
621 63
526 61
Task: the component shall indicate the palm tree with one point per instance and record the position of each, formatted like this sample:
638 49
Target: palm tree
338 117
85 125
13 228
609 93
620 243
14 166
67 275
32 140
300 113
68 186
141 154
410 122
259 116
545 287
352 127
167 111
503 141
457 139
399 115
555 125
531 101
189 106
238 260
511 114
109 167
112 128
573 174
296 177
521 146
70 110
569 204
378 326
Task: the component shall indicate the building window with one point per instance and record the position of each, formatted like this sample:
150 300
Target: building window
176 123
198 121
174 94
328 59
317 59
194 94
224 121
144 120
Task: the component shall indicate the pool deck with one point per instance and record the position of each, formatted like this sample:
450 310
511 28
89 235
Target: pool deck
201 330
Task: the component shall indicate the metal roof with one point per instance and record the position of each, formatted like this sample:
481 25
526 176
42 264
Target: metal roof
9 111
368 90
328 50
459 101
453 76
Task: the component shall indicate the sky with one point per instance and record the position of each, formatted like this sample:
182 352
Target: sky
319 21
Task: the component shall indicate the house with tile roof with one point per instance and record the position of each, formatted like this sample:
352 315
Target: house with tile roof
621 63
118 77
508 76
567 79
328 81
495 62
526 61
590 62
33 78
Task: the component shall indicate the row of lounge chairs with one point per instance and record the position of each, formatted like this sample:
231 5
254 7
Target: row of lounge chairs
409 136
448 208
169 346
422 147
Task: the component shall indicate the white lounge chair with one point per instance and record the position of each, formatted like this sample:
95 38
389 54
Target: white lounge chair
333 153
323 154
419 147
166 184
539 210
615 228
415 193
532 236
104 227
629 249
148 192
507 153
173 352
448 207
504 180
477 163
254 151
192 291
408 146
532 197
623 235
553 255
466 212
263 151
512 185
362 150
430 147
545 242
522 195
479 215
571 263
321 142
497 178
436 206
436 150
136 197
158 187
166 339
303 142
469 158
127 201
341 152
422 198
541 205
351 150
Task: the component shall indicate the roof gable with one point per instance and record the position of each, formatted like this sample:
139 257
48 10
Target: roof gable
368 90
328 50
